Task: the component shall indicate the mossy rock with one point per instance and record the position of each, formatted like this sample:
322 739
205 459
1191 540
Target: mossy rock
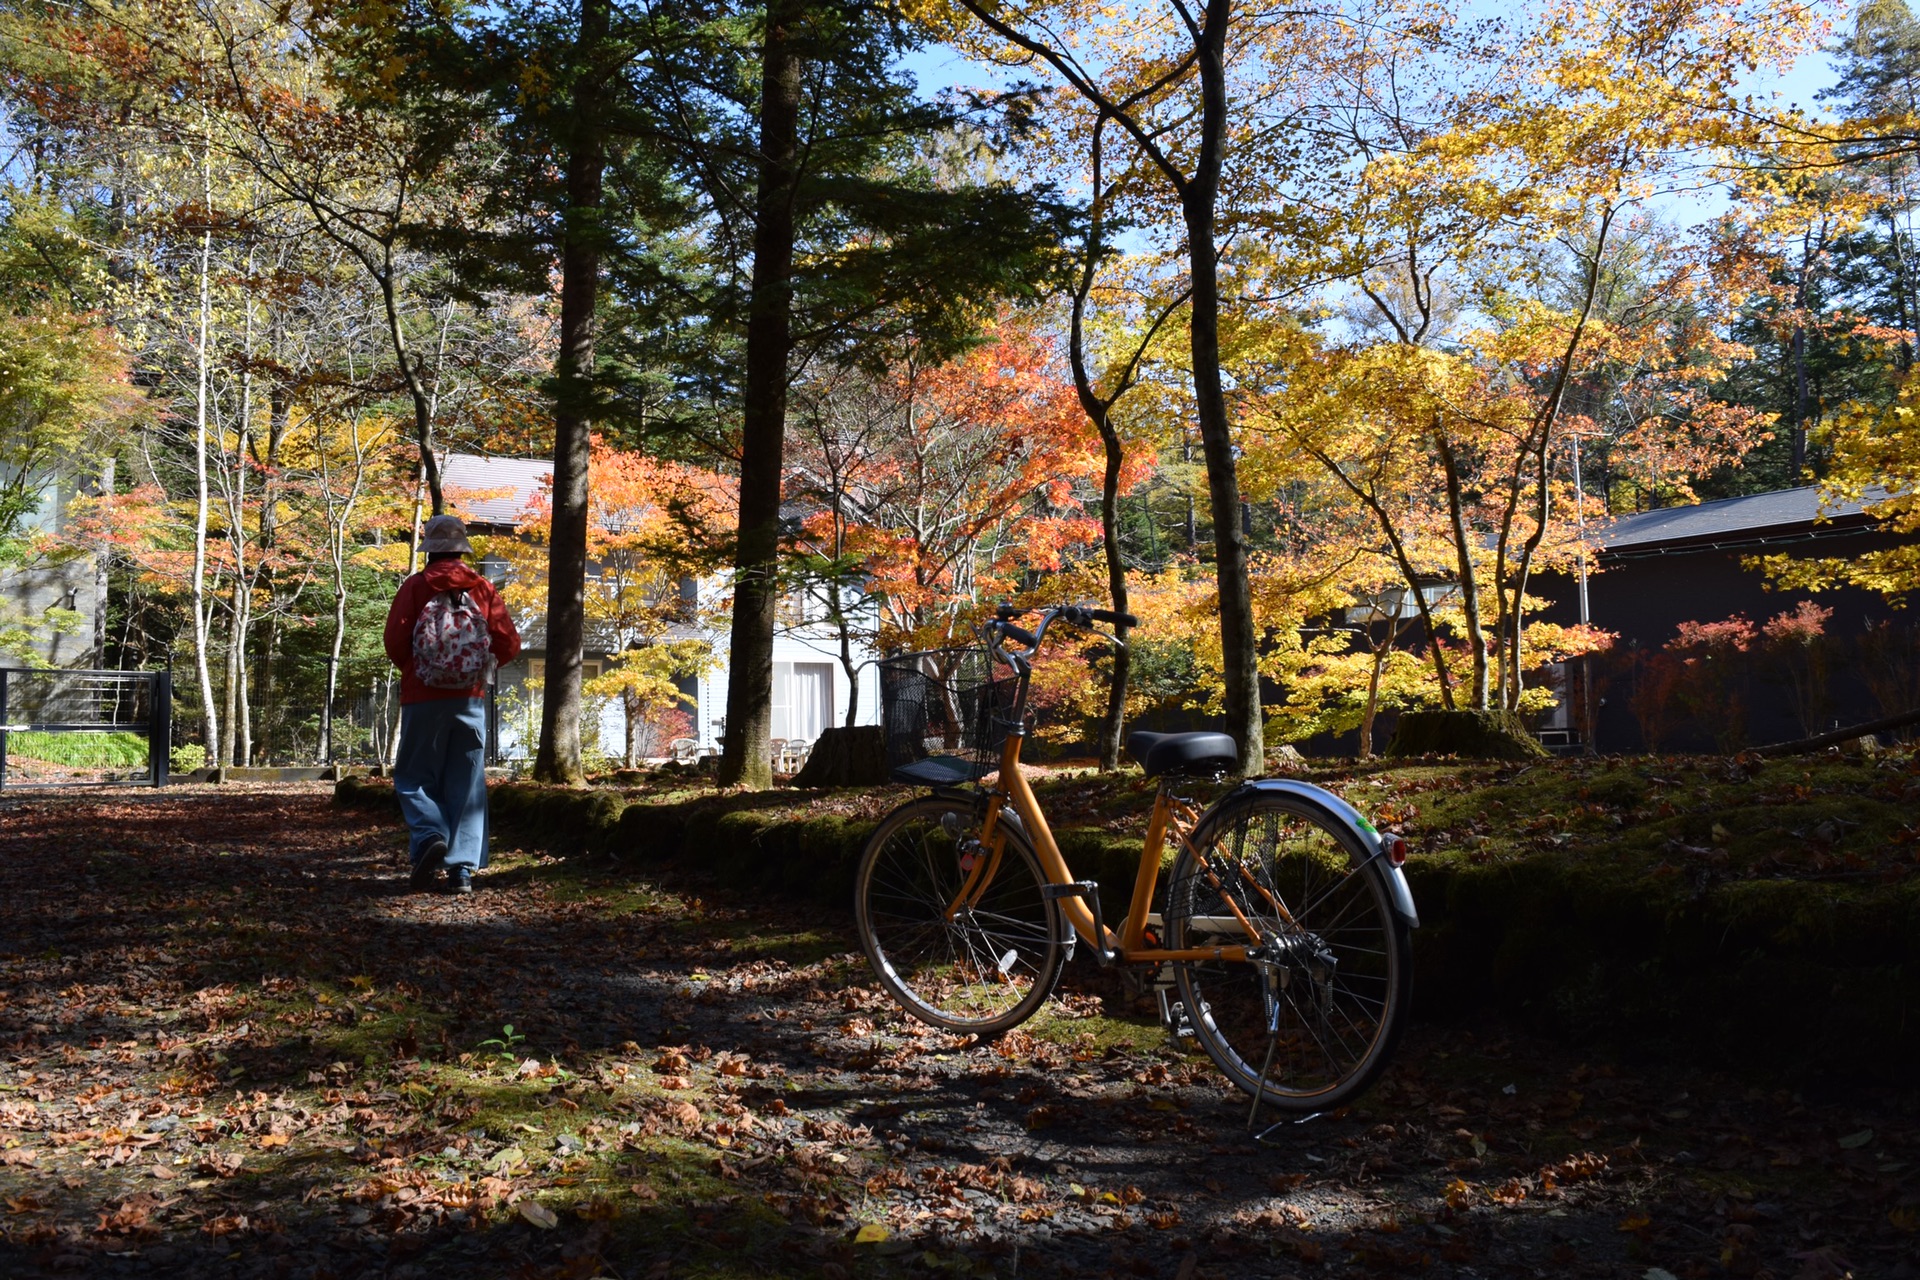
1474 735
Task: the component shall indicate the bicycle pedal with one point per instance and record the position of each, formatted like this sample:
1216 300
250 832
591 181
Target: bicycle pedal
1173 1016
1077 889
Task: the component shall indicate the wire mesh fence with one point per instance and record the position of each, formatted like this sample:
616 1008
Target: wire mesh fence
61 728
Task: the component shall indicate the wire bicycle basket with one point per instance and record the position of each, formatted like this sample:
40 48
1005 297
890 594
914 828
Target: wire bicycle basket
946 715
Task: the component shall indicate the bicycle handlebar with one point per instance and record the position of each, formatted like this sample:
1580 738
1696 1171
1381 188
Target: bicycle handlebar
1002 628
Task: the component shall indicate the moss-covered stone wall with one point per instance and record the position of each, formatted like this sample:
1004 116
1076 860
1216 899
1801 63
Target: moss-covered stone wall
1740 913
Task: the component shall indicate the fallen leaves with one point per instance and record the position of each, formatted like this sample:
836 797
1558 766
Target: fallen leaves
402 1133
222 1164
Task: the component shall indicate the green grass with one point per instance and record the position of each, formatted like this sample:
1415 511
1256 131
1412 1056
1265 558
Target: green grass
103 749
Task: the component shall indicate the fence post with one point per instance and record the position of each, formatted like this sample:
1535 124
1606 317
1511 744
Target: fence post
160 727
493 722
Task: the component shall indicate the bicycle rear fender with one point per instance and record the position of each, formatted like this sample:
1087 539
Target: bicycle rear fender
1342 813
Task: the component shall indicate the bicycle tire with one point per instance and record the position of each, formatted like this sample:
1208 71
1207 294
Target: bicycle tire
1312 1024
988 969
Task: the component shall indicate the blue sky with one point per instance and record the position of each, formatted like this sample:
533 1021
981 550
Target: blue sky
938 68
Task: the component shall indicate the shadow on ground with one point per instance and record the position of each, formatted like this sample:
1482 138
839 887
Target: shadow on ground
232 1044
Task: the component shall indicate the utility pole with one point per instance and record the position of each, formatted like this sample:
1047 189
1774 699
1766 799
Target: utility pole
1586 660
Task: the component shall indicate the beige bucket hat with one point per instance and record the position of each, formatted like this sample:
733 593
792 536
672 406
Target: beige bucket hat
445 533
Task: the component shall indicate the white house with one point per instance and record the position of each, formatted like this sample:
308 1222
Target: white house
810 686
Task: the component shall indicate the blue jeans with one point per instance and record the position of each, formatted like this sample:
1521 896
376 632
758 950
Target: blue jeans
440 776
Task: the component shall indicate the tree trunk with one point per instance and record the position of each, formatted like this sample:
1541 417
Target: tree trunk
233 746
1238 641
202 670
1797 451
1113 720
846 757
1902 293
1469 581
1099 411
410 374
277 420
1798 441
559 756
1380 655
847 663
238 744
102 557
744 759
323 753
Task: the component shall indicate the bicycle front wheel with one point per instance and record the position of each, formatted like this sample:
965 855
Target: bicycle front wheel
980 964
1309 1020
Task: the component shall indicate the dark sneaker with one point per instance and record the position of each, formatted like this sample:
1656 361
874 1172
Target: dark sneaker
459 880
428 863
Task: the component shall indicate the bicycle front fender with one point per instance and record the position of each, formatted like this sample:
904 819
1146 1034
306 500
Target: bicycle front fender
1344 814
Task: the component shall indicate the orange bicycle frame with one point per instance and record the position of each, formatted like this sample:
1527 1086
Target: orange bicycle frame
1129 946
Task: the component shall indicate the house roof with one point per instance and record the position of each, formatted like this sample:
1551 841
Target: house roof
1781 516
493 491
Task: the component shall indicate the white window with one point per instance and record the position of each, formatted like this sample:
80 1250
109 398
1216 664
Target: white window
537 669
802 699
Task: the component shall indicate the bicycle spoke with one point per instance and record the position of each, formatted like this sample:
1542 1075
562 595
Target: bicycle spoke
1331 949
988 965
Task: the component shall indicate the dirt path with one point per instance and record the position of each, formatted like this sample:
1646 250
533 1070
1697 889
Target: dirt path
231 1044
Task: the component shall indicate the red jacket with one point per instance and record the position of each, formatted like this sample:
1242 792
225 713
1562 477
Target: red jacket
444 575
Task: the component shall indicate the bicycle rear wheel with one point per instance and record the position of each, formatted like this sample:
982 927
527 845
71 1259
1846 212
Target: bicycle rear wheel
1310 1019
983 968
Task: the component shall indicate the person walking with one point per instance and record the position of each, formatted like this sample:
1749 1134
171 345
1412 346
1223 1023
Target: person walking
447 630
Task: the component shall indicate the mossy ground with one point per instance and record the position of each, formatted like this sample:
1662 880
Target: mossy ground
1679 898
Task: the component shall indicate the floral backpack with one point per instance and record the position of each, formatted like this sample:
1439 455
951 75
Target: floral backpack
451 647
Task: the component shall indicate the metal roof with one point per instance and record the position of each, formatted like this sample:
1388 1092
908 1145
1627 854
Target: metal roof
493 491
1754 518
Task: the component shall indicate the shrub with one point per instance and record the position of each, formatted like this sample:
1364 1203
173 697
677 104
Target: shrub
1711 683
1890 664
1796 650
1655 700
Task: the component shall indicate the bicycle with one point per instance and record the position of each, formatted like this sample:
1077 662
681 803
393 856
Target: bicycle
1286 920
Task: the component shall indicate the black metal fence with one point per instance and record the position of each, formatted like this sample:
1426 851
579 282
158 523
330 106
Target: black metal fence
61 728
292 724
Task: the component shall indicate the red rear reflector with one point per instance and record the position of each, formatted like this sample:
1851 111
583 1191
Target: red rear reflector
1395 847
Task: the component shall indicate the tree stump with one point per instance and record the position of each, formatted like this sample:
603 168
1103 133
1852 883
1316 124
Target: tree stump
854 757
1479 735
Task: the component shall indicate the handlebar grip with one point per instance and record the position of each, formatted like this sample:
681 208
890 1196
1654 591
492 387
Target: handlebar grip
1118 619
1019 635
1006 611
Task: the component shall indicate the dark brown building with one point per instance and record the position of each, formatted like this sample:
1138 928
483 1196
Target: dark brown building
1657 569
